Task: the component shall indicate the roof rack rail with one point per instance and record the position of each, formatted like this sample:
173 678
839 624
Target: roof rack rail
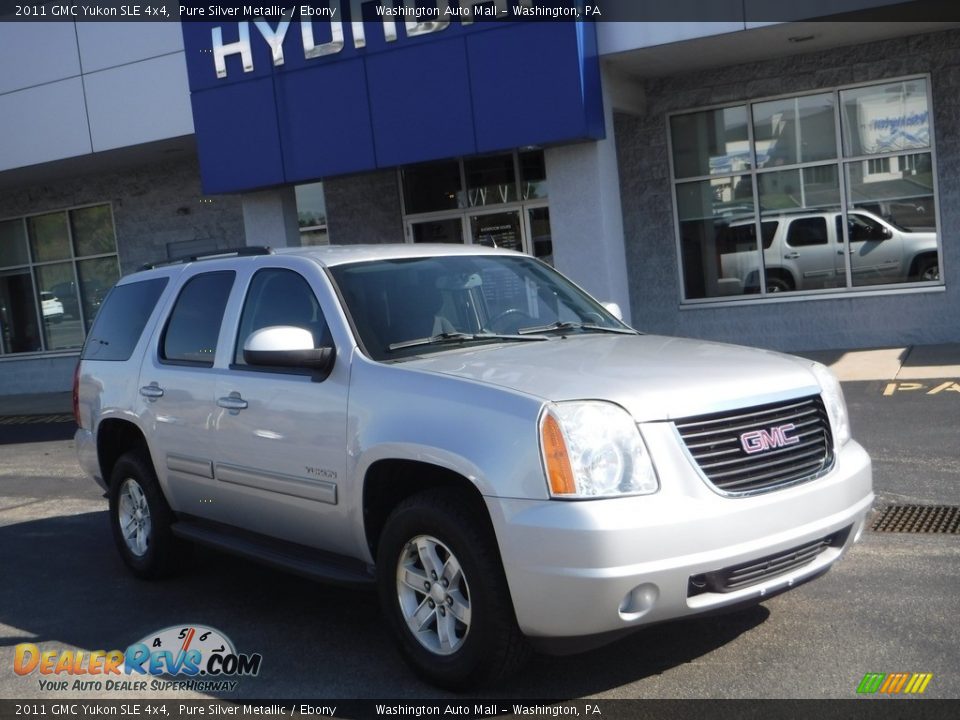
212 255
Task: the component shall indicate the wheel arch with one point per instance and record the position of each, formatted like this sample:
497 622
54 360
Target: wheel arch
920 259
115 438
388 482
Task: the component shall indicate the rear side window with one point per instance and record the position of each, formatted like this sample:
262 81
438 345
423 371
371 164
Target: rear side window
807 231
194 324
121 320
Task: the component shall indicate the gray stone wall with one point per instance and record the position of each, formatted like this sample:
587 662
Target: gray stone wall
157 209
364 208
865 321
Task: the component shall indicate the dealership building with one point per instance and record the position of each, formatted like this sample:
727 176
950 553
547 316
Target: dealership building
791 185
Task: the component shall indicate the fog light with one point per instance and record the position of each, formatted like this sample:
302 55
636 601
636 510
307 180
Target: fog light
639 601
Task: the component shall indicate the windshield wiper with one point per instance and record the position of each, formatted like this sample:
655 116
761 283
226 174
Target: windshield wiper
459 337
562 326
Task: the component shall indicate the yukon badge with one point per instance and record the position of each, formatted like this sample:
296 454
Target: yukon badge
761 440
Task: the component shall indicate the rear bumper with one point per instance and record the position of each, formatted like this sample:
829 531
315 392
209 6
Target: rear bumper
595 567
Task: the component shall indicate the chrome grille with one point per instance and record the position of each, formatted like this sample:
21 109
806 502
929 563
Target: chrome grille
761 448
761 569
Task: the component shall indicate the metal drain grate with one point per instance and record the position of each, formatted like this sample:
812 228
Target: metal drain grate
919 519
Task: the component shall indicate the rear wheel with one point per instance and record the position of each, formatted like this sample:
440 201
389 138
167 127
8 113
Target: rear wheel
444 593
140 519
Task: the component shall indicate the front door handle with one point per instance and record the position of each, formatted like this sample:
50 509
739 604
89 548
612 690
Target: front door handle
233 401
152 391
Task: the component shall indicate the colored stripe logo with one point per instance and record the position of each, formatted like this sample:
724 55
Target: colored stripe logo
894 683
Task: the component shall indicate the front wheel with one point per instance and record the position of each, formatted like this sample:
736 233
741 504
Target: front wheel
928 269
140 519
444 593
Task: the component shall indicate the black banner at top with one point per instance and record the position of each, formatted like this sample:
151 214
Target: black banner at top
646 11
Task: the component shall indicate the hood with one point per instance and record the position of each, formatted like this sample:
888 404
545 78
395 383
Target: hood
653 377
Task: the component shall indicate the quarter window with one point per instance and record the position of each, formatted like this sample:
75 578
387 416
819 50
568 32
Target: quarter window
120 324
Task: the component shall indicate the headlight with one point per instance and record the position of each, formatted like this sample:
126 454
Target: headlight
594 449
836 406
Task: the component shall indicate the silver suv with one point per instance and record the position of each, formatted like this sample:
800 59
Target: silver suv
509 463
806 252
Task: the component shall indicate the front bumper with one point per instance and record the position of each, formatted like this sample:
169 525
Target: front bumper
585 568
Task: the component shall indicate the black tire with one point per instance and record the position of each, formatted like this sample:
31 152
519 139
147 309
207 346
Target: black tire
491 645
928 268
777 283
153 552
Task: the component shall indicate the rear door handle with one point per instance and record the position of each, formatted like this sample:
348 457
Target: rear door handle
152 391
792 255
233 401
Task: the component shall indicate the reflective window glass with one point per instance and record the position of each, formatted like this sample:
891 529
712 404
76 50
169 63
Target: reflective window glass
806 188
892 222
61 331
885 178
490 180
499 229
92 231
710 142
541 236
714 261
13 243
533 175
438 231
795 130
19 326
312 214
432 186
49 239
70 257
885 118
96 276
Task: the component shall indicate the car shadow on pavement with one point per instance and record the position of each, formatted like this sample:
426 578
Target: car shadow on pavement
68 587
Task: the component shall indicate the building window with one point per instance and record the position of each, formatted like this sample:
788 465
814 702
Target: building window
312 214
835 212
494 200
55 270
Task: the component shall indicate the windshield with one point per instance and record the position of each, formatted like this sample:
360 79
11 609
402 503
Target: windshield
414 306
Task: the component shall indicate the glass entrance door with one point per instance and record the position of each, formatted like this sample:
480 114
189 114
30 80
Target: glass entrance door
448 230
538 233
498 229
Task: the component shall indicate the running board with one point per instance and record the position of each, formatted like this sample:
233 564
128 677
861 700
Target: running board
299 559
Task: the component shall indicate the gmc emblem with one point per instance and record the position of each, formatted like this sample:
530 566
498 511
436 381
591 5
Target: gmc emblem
757 441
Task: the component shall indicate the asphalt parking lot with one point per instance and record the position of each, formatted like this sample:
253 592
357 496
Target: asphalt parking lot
890 606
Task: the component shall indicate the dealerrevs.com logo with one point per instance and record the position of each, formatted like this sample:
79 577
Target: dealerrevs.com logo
198 657
903 683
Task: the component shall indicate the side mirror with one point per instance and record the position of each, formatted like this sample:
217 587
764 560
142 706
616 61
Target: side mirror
887 233
284 346
614 309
